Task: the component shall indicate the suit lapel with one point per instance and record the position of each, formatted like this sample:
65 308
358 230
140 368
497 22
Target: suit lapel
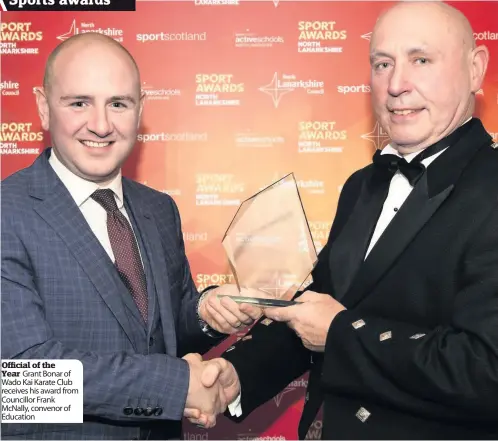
152 243
56 206
347 252
424 200
412 216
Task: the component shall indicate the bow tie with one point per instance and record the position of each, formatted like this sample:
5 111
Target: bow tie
387 165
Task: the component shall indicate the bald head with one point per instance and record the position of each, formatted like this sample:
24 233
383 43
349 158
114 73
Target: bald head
426 70
435 16
86 42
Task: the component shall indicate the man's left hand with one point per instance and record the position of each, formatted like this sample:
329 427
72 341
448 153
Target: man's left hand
225 315
310 320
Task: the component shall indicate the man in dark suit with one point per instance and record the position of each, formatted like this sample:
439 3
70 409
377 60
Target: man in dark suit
400 327
94 265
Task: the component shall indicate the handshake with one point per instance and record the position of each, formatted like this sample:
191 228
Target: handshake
213 385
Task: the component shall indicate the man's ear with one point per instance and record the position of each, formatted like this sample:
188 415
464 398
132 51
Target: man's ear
478 65
141 107
43 108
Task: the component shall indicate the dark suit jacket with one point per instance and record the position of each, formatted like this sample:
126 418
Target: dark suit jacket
415 355
62 298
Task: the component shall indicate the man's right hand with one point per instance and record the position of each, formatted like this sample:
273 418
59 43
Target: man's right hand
218 375
209 400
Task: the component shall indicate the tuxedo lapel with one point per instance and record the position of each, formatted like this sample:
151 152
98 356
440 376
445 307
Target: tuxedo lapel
55 205
152 243
348 250
412 216
430 192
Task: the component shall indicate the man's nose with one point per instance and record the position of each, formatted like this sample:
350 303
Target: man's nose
99 122
399 81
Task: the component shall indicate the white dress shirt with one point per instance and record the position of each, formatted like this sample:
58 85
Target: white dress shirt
81 191
399 190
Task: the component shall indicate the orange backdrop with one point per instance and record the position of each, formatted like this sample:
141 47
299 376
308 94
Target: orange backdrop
239 94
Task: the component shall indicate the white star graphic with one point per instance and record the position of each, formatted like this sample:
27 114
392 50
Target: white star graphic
276 2
367 36
377 136
70 33
278 398
274 91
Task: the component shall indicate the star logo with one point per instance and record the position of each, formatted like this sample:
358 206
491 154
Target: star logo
274 91
367 36
377 136
276 2
480 92
72 31
278 398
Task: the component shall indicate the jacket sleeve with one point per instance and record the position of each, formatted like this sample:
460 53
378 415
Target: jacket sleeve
448 373
112 381
191 338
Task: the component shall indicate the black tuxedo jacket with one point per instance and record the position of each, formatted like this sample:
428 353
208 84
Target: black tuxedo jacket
415 355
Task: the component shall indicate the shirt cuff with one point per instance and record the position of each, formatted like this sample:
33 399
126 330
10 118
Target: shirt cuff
235 408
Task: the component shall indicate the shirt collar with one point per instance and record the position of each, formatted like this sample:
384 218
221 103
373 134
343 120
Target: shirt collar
81 189
388 149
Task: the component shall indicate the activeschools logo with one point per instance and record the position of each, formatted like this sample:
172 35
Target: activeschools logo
154 94
85 27
255 140
251 39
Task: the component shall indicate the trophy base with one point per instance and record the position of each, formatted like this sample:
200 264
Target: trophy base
261 302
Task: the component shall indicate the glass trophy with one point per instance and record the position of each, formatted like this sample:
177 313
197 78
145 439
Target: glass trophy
269 245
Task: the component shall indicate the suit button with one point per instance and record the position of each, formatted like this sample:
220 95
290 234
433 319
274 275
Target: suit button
158 411
138 411
149 411
128 410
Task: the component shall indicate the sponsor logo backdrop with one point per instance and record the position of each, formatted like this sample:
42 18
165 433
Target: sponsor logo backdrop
239 93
